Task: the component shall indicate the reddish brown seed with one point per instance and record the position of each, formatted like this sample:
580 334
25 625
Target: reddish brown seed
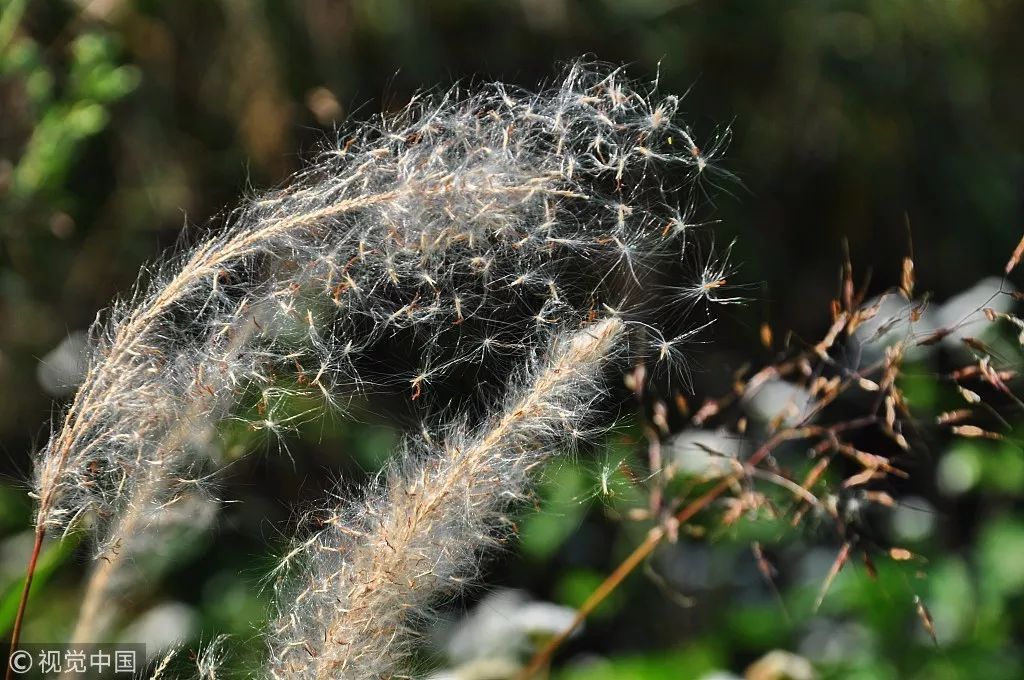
682 406
973 431
1018 253
950 417
907 278
926 618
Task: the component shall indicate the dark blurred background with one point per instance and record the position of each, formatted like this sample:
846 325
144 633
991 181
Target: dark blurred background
895 126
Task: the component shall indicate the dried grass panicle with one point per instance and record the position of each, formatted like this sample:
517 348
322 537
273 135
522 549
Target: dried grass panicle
471 224
461 218
371 574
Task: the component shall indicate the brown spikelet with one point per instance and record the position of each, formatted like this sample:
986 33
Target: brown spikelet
1015 258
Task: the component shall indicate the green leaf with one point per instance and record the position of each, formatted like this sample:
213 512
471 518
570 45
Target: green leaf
1001 553
682 664
52 557
562 492
577 585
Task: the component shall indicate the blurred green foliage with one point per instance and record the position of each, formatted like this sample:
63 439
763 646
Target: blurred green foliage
850 119
62 121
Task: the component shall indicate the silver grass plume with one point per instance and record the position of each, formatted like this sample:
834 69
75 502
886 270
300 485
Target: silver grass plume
379 563
464 229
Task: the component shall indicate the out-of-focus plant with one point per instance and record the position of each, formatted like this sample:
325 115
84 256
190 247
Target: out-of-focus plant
790 446
67 96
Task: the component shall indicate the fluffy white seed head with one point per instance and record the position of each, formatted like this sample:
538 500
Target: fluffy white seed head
471 224
369 576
